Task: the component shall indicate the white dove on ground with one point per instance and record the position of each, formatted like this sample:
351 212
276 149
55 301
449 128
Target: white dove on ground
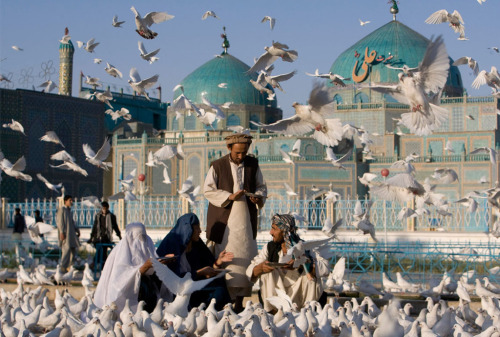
143 23
334 78
51 136
276 51
15 126
139 85
492 79
98 158
470 62
311 117
15 170
116 23
415 90
111 69
455 20
89 46
48 86
337 162
48 184
208 14
181 287
272 21
150 57
289 191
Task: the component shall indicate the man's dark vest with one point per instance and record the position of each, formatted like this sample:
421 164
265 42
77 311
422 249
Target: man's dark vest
217 216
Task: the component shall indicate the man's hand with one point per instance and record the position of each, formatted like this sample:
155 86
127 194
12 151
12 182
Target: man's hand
167 261
257 201
207 272
224 257
237 195
289 265
62 236
145 267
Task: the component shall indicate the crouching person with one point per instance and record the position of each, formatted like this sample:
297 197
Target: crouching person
273 268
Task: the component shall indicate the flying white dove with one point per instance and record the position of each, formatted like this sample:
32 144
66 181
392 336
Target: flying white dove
110 69
93 81
208 14
218 112
276 51
128 182
15 170
337 162
48 184
51 137
97 61
455 20
35 229
166 178
329 228
104 96
139 85
47 86
63 156
91 201
116 23
470 62
311 117
445 176
286 157
298 251
14 126
272 21
143 23
98 158
289 191
296 149
492 79
448 147
122 113
70 166
275 80
468 202
89 46
17 48
488 150
150 57
415 90
261 84
334 78
362 23
333 196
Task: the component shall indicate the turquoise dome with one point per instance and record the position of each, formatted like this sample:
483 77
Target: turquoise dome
224 68
396 45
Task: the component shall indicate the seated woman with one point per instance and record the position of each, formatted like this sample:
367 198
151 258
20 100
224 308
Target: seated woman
192 255
127 273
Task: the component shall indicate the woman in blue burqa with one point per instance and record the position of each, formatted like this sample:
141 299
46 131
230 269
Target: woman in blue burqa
192 255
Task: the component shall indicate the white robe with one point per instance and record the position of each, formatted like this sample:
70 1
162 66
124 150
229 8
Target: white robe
238 236
296 285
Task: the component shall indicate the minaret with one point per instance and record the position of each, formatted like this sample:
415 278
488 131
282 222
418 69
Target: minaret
66 51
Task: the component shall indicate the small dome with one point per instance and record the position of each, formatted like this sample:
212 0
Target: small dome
396 45
227 69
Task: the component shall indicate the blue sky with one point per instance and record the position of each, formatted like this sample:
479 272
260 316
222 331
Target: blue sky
318 29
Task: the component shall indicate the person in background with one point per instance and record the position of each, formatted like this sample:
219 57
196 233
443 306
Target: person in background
69 233
38 218
192 255
19 225
101 235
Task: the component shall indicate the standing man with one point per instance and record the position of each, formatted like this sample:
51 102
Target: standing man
69 233
102 230
38 218
235 187
19 225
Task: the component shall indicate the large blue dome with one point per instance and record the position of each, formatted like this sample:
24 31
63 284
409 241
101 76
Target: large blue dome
223 68
396 45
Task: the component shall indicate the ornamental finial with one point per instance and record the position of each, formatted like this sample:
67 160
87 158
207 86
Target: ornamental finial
225 44
394 8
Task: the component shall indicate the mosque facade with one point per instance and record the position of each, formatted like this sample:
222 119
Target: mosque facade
472 122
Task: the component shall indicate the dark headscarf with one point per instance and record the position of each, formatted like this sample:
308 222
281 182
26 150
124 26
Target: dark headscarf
286 223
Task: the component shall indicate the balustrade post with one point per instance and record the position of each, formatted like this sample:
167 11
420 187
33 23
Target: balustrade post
410 221
330 211
3 222
184 205
121 214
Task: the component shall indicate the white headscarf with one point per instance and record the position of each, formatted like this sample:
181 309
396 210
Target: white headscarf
120 277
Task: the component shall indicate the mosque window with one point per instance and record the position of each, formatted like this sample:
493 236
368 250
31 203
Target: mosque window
157 176
310 150
458 146
361 97
457 116
437 147
256 119
285 148
175 124
413 147
190 122
233 120
156 121
338 99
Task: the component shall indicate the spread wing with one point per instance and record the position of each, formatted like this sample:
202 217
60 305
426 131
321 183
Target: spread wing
284 77
103 152
156 17
149 82
289 126
89 153
19 165
433 70
438 17
141 48
264 61
134 75
42 178
285 155
166 152
62 155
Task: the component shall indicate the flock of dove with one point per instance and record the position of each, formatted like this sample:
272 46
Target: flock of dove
28 312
